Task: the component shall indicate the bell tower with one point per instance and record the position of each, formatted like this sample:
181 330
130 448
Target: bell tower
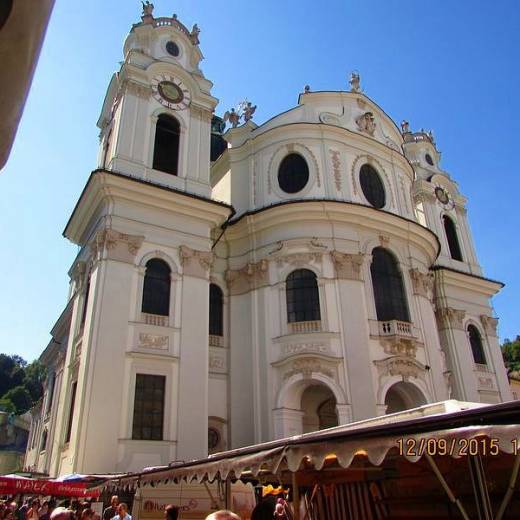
156 118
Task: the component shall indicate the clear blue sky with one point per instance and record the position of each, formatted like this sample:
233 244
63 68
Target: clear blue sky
447 65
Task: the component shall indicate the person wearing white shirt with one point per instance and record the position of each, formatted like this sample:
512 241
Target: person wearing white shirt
122 512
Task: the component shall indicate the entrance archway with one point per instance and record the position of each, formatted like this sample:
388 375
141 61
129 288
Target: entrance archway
403 396
318 405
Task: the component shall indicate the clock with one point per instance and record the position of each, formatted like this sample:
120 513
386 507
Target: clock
444 197
171 92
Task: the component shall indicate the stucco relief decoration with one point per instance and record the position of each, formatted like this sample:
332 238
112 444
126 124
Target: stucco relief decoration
78 274
137 89
396 346
251 276
299 259
152 341
490 324
195 263
485 382
399 366
115 245
336 163
448 317
307 367
217 363
384 241
303 348
348 266
422 283
366 123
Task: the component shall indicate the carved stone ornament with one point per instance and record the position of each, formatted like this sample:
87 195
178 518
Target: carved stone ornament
486 383
348 266
77 274
113 245
384 241
422 283
308 366
450 318
299 259
366 123
305 348
195 263
217 363
336 163
400 366
152 341
137 89
251 276
397 346
490 324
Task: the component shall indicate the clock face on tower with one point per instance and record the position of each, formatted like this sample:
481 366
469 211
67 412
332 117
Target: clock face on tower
171 92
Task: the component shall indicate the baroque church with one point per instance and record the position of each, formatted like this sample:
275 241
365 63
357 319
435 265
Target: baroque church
239 285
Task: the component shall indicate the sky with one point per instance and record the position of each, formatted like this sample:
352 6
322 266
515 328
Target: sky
450 66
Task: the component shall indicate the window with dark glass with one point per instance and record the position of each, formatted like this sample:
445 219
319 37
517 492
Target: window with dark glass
148 407
475 341
85 304
293 173
166 146
156 288
388 287
451 236
172 48
216 308
43 446
303 302
372 186
50 392
71 410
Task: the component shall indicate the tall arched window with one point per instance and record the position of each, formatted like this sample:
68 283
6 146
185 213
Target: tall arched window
166 146
216 310
476 345
451 236
156 289
303 301
388 287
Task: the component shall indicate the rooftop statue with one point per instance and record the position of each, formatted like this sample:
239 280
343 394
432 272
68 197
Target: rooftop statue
233 117
355 82
147 8
248 111
405 126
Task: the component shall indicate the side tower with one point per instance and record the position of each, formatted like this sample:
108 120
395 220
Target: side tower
135 385
467 326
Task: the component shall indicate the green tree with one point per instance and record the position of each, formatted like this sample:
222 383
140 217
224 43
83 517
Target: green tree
511 353
20 399
35 374
11 372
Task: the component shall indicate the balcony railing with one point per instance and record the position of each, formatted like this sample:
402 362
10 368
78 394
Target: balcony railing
154 319
479 367
215 341
304 327
395 328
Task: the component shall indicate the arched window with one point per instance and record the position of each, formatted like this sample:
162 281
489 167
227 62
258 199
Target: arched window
303 302
166 146
156 289
216 310
451 236
476 345
372 186
388 287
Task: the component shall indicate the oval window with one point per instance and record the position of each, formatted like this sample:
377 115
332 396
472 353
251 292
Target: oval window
293 173
172 48
429 159
372 186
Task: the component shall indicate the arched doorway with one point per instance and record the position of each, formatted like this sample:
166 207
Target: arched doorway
318 405
403 396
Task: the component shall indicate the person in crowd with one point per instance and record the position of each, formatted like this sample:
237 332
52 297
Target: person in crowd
96 516
111 510
32 512
223 515
122 512
171 512
61 513
87 514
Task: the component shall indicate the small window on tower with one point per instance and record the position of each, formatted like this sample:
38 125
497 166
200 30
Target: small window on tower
173 49
429 159
293 173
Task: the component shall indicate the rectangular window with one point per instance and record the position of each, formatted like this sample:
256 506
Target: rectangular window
71 410
148 407
85 303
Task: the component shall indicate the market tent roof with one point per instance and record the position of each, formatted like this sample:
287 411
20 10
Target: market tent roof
372 438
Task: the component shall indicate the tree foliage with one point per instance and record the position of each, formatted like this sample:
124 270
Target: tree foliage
21 384
511 354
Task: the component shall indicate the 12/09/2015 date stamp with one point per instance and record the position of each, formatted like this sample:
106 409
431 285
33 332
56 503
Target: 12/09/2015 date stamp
455 447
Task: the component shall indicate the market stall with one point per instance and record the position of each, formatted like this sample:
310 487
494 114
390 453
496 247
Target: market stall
461 464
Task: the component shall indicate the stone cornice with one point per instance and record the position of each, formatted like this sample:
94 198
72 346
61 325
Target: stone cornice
490 324
471 281
449 318
113 245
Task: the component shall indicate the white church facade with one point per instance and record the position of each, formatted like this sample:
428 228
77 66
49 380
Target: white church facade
240 286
